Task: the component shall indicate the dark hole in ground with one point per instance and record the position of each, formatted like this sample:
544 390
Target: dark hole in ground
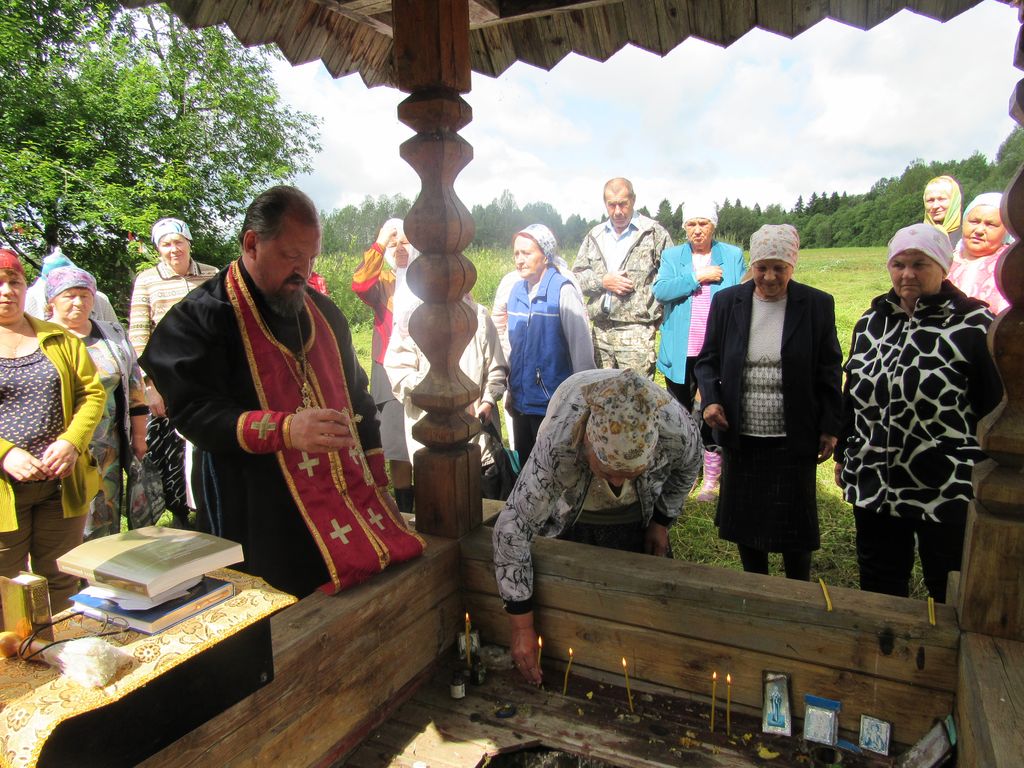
542 757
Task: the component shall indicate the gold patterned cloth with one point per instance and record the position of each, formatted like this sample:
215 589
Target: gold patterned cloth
35 698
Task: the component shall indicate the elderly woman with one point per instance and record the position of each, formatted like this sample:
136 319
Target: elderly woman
157 289
50 402
769 378
942 206
689 275
918 379
548 332
984 239
70 293
483 361
615 459
381 289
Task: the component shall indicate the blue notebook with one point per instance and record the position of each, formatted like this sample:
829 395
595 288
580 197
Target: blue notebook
203 595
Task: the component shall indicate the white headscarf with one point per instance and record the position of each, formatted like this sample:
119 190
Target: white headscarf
404 301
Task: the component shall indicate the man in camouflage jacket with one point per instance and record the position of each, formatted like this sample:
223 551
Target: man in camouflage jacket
616 267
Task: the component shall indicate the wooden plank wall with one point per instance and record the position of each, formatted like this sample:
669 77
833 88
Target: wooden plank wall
990 702
342 665
677 622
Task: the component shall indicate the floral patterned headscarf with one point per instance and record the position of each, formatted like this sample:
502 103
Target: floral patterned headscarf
623 426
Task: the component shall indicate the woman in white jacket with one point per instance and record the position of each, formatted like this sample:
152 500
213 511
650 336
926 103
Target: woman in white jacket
483 361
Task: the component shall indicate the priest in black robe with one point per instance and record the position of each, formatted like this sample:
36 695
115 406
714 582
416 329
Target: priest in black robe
263 377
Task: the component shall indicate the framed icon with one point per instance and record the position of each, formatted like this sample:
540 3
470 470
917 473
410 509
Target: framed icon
875 734
777 715
821 719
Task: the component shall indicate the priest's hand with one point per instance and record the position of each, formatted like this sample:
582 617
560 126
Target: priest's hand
320 430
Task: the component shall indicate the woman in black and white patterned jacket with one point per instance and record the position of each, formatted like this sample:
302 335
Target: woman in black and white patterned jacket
918 379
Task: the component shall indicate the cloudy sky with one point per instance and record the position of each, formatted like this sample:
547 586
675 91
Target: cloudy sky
764 120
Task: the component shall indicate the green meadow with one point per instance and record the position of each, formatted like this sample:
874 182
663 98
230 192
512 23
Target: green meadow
853 275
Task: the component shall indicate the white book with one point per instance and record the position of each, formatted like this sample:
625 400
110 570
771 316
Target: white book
133 601
150 560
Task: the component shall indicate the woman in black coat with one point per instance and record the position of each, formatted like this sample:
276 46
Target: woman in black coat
770 383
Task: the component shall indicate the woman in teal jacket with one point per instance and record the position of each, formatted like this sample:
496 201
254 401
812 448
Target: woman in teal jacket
690 274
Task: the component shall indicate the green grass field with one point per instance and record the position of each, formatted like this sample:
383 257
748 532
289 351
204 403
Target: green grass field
853 275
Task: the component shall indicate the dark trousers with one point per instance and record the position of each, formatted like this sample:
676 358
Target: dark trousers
686 392
796 564
524 430
885 552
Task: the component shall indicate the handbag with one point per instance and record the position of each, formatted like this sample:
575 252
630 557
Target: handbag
498 479
145 493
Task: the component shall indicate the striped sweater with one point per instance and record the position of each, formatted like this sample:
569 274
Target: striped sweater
157 289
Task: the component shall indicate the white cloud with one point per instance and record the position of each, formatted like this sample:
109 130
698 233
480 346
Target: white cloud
765 120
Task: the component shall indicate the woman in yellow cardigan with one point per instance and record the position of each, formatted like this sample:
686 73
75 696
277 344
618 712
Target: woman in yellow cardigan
50 403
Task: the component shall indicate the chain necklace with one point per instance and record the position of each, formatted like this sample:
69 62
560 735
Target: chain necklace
308 401
10 351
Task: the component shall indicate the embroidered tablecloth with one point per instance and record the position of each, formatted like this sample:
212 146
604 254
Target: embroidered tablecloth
35 698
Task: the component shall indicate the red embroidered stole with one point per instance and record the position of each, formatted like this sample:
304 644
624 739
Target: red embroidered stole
344 510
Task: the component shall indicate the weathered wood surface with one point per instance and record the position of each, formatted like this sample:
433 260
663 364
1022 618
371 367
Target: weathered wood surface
990 702
355 36
342 664
678 622
446 733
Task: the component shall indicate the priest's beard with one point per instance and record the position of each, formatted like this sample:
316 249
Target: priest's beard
287 304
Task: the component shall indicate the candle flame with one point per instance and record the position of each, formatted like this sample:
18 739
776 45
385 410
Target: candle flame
728 679
623 662
570 653
540 641
714 675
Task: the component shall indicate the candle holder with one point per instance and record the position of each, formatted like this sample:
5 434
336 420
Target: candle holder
474 644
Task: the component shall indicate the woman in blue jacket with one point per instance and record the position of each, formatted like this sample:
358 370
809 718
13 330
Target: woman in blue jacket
690 274
548 333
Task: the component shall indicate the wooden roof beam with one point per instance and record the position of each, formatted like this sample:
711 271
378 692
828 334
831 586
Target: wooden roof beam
375 14
517 10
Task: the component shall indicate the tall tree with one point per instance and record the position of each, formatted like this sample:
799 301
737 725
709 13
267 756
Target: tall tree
110 119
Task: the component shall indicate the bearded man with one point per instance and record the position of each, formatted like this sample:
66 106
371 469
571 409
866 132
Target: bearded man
261 374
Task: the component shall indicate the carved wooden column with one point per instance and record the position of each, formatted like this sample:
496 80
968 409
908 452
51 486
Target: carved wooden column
991 597
432 63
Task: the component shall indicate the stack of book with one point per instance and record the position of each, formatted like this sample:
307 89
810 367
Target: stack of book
150 578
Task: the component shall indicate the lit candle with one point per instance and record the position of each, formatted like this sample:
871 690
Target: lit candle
469 652
714 693
540 649
629 694
728 705
565 683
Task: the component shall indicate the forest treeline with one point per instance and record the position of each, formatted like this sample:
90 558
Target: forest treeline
826 219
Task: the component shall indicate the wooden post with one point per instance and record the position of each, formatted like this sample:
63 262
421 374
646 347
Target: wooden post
991 595
432 65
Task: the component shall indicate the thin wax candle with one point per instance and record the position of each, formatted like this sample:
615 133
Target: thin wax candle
629 694
714 693
469 652
728 705
540 649
565 682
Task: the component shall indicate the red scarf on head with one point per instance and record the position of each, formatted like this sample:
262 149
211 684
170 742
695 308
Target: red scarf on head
344 509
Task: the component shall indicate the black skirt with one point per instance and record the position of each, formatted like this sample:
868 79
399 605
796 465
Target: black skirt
767 498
